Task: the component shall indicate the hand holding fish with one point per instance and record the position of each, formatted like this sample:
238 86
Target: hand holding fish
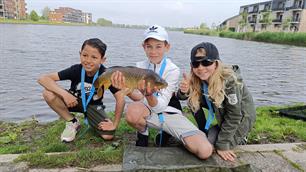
146 89
118 80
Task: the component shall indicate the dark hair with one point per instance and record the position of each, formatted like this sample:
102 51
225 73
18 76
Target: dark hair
95 43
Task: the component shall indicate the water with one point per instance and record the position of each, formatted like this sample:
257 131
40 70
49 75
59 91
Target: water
275 74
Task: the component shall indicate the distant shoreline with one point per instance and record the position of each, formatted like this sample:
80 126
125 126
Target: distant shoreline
46 22
287 38
42 22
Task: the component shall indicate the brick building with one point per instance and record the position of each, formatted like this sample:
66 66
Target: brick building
70 15
13 9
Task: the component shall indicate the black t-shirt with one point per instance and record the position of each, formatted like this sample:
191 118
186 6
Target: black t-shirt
73 74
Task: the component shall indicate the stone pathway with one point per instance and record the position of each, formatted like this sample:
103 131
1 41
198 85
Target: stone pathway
289 157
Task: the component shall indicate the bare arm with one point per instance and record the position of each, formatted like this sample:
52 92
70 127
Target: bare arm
120 102
48 81
108 125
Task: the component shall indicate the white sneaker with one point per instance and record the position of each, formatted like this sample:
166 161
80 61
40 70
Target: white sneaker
70 131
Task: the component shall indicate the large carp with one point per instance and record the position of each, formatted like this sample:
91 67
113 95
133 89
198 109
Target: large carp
133 75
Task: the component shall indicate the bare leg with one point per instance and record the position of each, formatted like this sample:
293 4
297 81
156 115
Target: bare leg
136 114
57 104
199 145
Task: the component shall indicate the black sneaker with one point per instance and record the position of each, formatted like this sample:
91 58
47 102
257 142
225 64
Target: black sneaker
165 139
142 140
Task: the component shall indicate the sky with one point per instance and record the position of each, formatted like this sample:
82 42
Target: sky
170 13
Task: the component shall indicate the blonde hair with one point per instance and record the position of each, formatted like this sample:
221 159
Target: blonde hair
216 86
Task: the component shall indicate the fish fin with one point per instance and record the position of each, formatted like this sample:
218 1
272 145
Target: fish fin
100 92
96 83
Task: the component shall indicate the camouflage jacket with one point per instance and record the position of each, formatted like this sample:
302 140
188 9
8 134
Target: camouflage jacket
237 114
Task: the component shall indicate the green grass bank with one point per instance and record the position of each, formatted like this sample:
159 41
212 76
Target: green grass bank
34 139
41 22
289 38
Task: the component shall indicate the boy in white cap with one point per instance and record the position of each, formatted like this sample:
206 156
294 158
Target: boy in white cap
160 110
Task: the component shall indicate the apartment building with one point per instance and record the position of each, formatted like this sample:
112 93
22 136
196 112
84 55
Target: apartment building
13 9
70 15
275 15
87 18
231 24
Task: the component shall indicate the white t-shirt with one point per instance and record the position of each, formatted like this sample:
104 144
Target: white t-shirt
171 75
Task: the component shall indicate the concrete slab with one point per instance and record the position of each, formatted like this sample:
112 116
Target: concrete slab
296 157
266 161
12 167
269 147
8 157
107 168
175 158
267 158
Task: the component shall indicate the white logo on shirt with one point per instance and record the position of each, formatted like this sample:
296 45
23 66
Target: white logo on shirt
87 87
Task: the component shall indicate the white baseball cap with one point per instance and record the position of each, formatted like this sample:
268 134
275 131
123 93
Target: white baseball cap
156 32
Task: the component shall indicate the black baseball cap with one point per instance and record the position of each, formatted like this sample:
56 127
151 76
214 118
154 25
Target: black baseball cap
212 53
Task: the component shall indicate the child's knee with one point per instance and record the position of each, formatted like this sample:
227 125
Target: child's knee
205 152
107 137
199 145
130 116
48 96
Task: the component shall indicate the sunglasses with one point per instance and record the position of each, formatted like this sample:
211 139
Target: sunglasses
205 63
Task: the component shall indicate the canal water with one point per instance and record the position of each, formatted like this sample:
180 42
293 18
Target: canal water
275 74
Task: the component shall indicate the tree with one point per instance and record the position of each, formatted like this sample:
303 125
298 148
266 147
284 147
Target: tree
286 24
266 18
104 22
45 13
34 16
203 26
244 21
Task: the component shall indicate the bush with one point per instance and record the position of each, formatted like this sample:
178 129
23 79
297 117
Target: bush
34 16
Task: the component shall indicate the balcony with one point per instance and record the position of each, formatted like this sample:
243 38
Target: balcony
295 20
278 20
279 8
264 10
295 7
252 21
254 11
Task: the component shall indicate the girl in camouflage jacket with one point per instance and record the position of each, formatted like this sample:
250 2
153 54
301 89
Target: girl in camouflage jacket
219 89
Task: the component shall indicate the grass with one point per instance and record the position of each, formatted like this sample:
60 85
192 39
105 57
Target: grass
270 127
34 140
42 22
289 38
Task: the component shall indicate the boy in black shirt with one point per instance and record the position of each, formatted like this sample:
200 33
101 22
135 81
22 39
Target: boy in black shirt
81 96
